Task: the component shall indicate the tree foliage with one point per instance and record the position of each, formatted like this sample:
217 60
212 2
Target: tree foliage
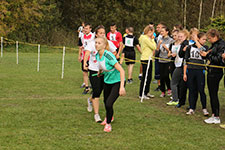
56 21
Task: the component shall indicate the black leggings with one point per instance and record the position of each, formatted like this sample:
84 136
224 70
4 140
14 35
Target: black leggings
213 80
149 77
196 84
111 93
164 76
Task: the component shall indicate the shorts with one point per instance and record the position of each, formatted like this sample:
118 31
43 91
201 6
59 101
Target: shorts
129 55
82 66
97 83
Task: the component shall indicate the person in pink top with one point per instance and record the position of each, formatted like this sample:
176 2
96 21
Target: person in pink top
116 38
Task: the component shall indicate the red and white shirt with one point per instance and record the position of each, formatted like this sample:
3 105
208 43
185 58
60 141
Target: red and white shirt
115 37
85 39
93 64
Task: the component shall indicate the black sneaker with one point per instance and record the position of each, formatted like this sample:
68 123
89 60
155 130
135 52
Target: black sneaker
86 90
178 106
157 89
131 81
139 77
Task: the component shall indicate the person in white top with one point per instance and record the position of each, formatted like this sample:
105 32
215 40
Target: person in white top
86 38
80 29
93 67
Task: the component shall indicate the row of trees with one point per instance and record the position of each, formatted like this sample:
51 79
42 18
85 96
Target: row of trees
56 21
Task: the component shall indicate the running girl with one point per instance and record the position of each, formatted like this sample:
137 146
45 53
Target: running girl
96 82
114 79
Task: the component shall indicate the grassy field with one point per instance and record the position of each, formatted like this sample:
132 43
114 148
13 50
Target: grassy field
41 111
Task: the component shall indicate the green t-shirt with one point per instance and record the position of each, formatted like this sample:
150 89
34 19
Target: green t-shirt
106 63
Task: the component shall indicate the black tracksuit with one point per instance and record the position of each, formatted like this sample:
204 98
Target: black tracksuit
195 75
215 74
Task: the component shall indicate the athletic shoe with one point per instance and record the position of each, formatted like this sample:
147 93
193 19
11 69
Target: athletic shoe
104 122
169 92
172 103
150 95
89 108
97 118
108 128
212 120
217 120
86 90
83 85
162 94
144 97
129 81
178 105
190 112
140 76
157 89
222 126
205 112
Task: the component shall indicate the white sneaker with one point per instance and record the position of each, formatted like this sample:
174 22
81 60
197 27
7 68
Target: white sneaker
162 95
82 85
150 95
144 97
190 112
97 118
89 108
217 120
205 112
212 120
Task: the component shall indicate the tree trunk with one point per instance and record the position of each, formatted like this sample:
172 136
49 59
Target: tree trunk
221 8
200 14
185 14
213 10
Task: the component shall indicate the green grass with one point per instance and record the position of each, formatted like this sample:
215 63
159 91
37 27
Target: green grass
41 111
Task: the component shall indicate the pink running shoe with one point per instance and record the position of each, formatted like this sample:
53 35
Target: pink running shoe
104 122
169 92
108 128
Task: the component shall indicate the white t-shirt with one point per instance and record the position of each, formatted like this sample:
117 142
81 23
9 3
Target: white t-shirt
93 64
80 29
178 61
85 39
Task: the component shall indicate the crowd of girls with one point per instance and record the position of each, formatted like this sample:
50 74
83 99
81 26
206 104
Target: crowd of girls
179 56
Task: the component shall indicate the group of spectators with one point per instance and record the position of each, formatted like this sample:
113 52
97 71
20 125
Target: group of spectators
179 57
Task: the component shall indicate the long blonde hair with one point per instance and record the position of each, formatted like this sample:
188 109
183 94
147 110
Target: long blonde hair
186 33
147 29
105 41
